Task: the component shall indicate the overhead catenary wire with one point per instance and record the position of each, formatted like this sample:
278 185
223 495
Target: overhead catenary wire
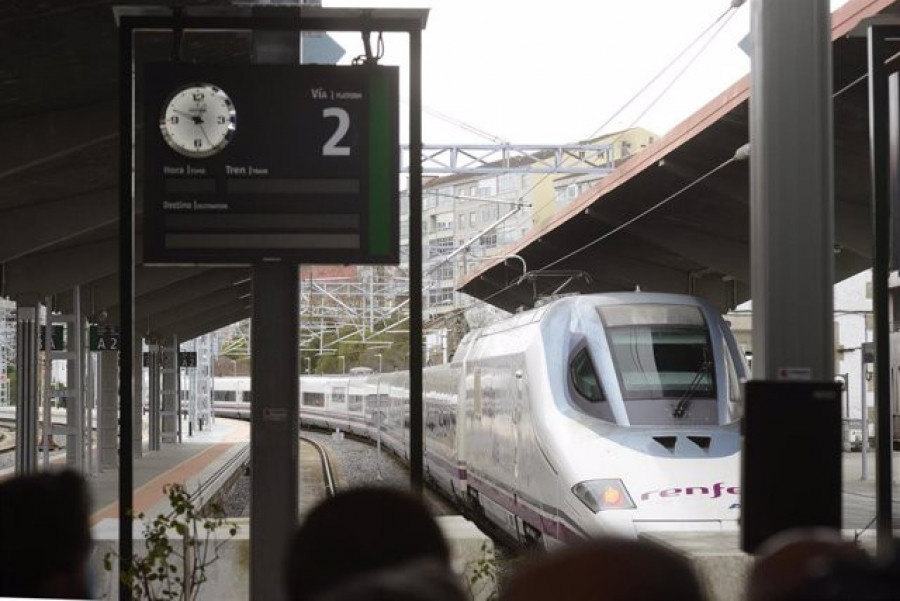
715 27
740 155
722 21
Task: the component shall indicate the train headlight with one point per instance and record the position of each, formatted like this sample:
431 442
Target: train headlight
603 495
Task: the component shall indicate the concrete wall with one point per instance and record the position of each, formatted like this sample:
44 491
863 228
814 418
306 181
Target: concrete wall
229 577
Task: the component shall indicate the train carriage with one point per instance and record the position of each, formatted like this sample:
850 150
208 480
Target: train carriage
598 413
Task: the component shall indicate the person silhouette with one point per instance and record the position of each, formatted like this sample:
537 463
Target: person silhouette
45 536
372 544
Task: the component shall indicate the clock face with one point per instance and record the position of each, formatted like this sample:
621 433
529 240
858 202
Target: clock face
198 120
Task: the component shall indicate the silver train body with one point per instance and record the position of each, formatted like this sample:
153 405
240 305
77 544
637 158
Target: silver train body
611 413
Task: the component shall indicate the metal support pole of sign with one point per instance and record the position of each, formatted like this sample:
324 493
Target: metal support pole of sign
90 395
380 412
176 379
48 377
154 397
864 417
792 227
126 302
274 423
274 378
416 449
27 328
878 153
75 377
137 389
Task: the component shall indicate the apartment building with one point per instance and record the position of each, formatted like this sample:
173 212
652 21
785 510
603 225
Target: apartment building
459 209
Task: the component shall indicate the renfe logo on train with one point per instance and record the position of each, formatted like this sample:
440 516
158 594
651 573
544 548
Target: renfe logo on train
715 491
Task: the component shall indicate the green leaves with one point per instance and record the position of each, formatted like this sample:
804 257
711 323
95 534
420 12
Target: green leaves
164 573
483 571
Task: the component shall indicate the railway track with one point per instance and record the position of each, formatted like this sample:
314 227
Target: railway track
327 471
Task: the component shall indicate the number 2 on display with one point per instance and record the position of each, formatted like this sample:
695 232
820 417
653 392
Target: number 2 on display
332 146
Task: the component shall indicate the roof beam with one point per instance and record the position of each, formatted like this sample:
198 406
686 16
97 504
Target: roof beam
193 326
58 270
103 294
727 256
31 228
33 141
188 331
198 309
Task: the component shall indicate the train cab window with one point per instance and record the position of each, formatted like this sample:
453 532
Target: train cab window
735 402
584 378
664 363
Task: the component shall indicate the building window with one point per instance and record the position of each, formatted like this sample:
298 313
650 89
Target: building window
561 198
443 272
489 240
439 247
444 221
473 219
440 296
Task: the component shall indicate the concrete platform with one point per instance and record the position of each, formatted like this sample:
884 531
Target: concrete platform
192 462
723 568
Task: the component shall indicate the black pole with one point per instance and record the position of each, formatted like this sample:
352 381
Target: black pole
416 449
126 302
881 213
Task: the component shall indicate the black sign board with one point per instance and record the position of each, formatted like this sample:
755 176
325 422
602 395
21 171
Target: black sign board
57 338
791 460
103 338
251 162
185 359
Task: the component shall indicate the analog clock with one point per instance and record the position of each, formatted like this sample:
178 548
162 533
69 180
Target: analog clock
198 120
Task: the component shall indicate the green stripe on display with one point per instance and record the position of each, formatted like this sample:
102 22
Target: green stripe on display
379 166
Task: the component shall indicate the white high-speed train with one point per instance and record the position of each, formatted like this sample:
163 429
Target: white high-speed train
602 413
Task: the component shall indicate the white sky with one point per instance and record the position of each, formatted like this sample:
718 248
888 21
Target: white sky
554 72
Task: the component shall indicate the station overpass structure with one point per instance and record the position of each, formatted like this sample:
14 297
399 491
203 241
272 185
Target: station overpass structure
676 217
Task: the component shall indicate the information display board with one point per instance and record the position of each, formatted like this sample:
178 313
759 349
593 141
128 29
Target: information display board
791 459
57 338
104 338
185 359
252 162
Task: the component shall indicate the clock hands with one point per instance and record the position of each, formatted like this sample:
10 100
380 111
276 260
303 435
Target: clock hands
197 119
205 135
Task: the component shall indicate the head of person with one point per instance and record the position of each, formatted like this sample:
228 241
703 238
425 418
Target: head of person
361 534
612 569
45 536
815 564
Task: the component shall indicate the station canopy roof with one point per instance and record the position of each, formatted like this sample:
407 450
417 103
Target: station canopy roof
676 217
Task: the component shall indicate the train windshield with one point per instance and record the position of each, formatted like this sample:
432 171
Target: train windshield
661 352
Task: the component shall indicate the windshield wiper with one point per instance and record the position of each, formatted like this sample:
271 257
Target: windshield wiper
682 405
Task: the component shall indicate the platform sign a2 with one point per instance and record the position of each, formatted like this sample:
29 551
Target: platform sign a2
103 338
253 162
